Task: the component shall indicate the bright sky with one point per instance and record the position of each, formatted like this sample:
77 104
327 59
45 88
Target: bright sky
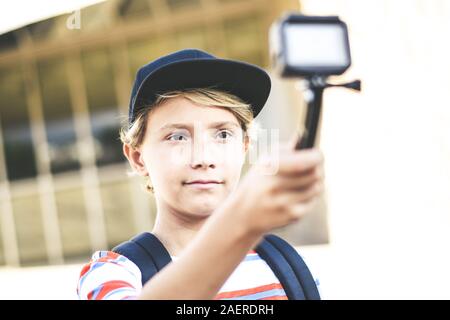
17 13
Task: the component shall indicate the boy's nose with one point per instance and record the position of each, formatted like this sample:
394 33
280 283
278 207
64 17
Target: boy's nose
201 155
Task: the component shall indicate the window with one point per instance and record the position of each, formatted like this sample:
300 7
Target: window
58 115
133 9
42 30
18 146
104 114
8 41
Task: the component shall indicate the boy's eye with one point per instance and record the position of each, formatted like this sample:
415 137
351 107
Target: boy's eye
223 134
177 137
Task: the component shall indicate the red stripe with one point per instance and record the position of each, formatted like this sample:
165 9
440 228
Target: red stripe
110 256
109 286
85 269
240 293
275 298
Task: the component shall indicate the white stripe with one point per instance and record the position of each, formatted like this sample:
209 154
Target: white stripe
250 274
120 294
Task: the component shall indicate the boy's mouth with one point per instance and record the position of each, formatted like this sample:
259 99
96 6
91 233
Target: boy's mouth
202 184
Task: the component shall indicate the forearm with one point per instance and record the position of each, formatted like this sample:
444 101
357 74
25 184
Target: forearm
207 262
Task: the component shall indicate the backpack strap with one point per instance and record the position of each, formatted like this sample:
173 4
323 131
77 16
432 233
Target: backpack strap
147 252
281 268
150 256
299 267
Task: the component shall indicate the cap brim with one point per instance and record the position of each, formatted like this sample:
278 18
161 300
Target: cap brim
248 82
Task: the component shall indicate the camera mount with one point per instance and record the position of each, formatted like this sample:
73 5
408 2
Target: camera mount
312 48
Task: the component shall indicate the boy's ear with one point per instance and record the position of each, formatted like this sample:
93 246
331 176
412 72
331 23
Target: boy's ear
246 143
134 157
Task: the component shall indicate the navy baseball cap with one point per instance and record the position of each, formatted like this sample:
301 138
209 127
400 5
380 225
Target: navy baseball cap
193 68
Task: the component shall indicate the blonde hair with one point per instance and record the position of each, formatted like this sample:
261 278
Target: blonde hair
133 134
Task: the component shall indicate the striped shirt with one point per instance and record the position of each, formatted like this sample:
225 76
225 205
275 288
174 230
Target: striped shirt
112 276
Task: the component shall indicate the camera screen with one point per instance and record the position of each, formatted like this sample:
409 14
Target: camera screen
316 45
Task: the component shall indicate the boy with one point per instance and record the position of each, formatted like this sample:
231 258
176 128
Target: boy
188 133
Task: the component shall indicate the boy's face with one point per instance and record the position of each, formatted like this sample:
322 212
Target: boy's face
185 143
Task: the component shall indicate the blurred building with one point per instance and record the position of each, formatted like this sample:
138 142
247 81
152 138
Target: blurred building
64 90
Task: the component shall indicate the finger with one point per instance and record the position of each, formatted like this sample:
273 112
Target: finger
315 170
301 209
289 145
294 197
302 181
293 140
299 162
